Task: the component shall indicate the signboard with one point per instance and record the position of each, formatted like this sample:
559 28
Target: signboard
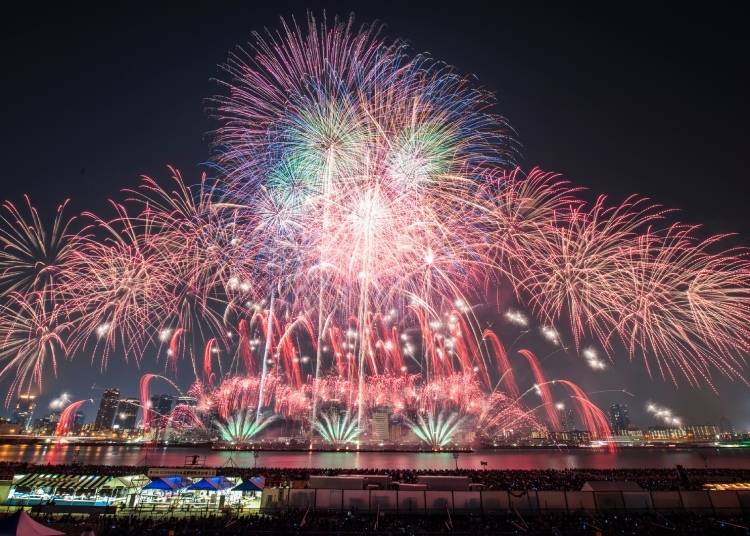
189 472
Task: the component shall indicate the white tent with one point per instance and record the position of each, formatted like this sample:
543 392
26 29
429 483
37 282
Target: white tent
21 524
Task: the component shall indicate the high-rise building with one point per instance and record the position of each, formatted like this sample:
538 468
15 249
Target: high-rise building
78 421
161 405
568 420
127 413
726 427
43 426
107 409
381 424
618 417
24 412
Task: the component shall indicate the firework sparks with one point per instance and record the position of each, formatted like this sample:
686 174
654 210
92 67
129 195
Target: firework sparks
592 359
516 318
33 334
665 415
436 431
365 204
242 427
60 403
33 257
337 429
67 417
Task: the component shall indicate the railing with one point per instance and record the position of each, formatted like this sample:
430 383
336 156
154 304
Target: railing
489 502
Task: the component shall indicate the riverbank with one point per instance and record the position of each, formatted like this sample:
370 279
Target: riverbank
649 478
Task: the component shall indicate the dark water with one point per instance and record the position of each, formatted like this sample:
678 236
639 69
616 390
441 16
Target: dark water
501 459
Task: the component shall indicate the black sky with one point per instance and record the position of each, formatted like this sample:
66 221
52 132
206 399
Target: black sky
620 98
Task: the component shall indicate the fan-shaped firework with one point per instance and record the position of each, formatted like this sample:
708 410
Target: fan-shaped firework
437 431
337 429
242 427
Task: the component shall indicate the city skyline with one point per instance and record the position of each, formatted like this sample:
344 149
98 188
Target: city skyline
117 417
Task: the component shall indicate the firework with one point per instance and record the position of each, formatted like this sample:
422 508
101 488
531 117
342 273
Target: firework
185 417
144 386
115 290
522 216
32 257
516 317
33 333
663 414
366 202
592 359
542 387
337 429
436 431
60 403
353 171
206 248
576 273
503 417
405 395
686 305
243 426
67 417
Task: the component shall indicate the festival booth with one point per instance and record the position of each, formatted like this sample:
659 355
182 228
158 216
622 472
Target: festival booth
163 491
250 491
210 492
73 490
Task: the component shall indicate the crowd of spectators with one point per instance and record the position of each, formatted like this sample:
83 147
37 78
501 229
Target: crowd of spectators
500 479
349 524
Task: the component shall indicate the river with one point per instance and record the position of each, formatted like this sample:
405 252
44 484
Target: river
495 459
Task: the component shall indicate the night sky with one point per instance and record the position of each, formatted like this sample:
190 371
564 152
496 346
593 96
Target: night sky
646 100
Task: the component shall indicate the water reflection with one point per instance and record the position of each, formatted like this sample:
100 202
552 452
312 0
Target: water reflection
508 459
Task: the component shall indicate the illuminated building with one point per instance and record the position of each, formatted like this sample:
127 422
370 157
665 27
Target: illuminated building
107 409
127 414
702 431
381 424
618 417
24 412
78 420
161 405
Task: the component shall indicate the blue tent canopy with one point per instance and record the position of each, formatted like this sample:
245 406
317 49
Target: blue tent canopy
213 483
256 483
168 483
